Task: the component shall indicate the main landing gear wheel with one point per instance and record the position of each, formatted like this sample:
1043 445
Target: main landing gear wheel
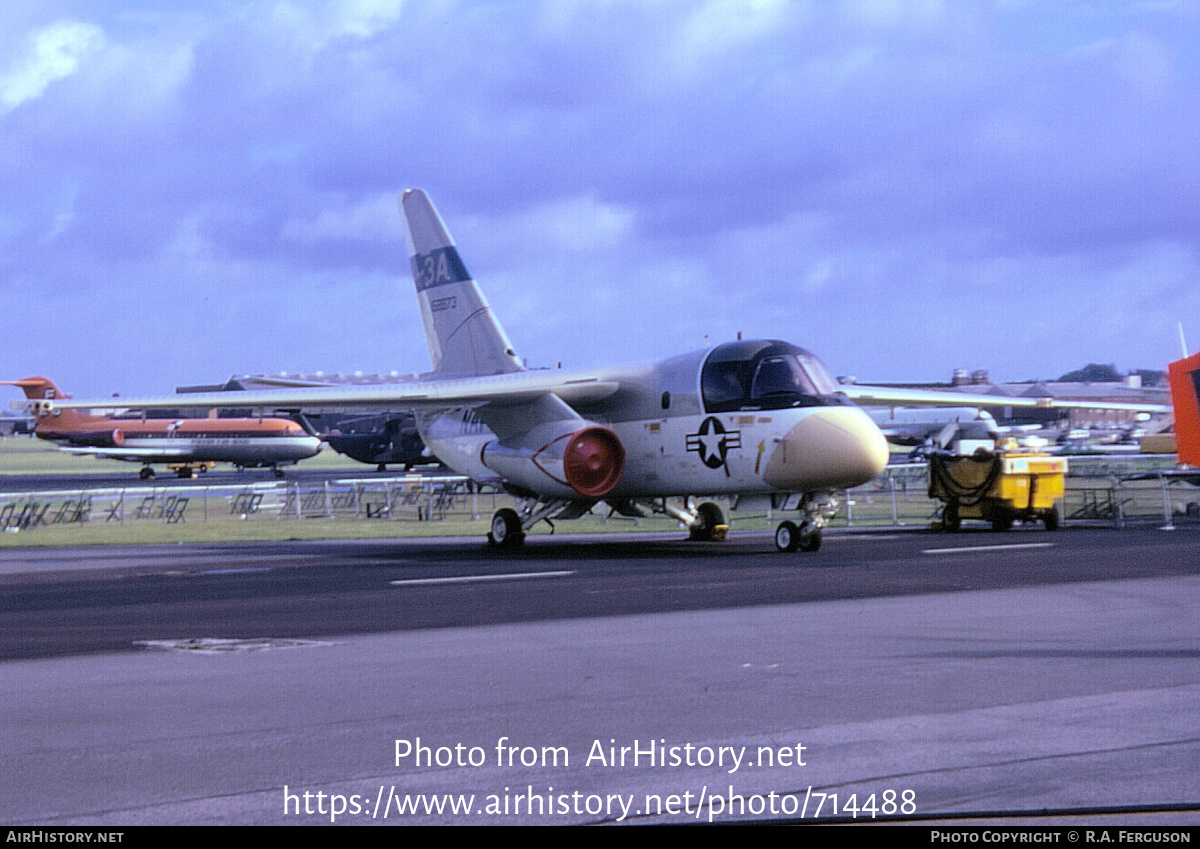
506 529
146 473
787 536
710 516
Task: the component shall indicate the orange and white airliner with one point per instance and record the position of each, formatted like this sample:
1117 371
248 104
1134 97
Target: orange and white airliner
184 445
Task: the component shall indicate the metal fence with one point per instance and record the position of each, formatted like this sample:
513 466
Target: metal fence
1118 492
1097 492
413 499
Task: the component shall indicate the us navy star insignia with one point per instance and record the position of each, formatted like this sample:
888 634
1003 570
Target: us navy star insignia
712 442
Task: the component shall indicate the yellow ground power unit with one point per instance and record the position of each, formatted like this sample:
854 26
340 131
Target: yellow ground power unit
999 488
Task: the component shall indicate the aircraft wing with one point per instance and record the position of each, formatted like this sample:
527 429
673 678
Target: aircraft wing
496 390
525 387
886 396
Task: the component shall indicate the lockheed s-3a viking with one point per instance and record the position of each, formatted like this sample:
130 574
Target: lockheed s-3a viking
759 420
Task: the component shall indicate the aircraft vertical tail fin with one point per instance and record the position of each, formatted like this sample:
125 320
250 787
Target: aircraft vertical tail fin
463 334
43 389
1185 398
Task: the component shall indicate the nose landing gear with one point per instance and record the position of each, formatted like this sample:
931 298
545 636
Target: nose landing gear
817 509
790 537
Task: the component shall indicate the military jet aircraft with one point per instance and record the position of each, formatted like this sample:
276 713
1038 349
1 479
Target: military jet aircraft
758 420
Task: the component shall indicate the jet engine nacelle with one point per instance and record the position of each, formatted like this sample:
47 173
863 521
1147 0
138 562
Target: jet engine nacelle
566 459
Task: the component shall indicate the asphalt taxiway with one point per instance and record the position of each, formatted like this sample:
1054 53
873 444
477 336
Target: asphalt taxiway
981 673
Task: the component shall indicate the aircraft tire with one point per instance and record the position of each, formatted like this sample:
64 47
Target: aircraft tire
710 516
811 542
787 536
506 529
146 474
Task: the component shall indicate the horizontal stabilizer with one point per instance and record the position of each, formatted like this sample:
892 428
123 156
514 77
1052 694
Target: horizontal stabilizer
36 388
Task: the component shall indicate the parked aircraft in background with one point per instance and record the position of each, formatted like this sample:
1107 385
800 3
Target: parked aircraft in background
15 423
378 439
185 445
933 429
914 426
381 439
760 421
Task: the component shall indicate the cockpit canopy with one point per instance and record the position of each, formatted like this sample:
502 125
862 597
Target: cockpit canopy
764 375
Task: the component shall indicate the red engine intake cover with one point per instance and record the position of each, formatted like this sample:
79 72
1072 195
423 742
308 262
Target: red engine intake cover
594 461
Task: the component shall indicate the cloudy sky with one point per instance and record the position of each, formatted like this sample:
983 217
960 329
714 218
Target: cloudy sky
194 189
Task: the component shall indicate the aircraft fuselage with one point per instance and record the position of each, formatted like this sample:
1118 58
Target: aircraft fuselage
244 442
746 417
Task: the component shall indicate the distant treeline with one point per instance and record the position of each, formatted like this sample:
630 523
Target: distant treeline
1097 373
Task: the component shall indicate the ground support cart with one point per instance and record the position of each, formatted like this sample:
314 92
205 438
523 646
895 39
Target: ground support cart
999 488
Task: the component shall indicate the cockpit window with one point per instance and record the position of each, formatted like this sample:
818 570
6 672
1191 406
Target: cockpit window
724 383
763 376
818 374
780 375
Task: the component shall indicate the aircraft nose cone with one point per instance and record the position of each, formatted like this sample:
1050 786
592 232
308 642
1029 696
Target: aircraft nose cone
831 448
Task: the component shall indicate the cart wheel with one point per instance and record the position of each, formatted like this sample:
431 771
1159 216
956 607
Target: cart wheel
1051 519
950 518
1002 523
